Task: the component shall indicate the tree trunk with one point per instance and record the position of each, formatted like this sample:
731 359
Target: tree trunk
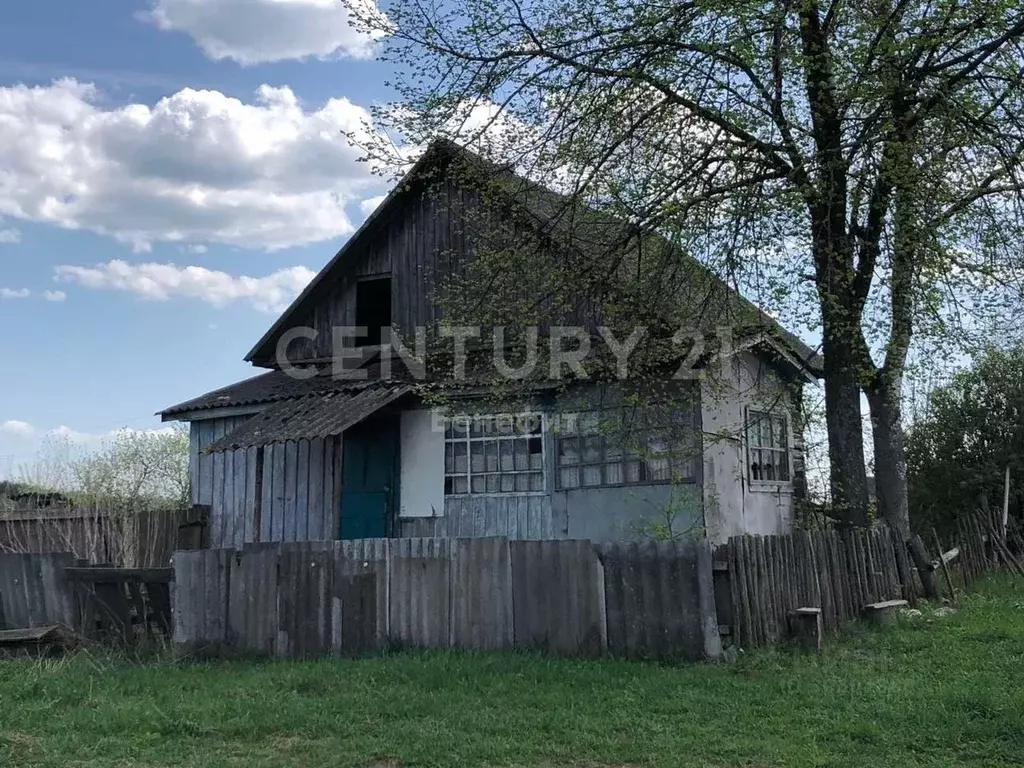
848 475
890 453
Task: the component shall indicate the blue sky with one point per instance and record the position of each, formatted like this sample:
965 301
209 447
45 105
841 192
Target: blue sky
139 138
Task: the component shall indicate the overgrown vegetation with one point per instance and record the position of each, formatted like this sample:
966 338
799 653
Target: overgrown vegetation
935 692
128 471
972 430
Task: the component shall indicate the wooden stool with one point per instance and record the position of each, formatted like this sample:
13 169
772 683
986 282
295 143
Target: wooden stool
883 614
807 628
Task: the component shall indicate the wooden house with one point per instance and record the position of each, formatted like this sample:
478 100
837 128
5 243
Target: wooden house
300 452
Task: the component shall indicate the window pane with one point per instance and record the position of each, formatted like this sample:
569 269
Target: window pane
755 465
507 463
567 423
461 462
782 439
491 455
508 483
592 476
569 477
768 465
536 481
522 482
784 466
461 484
682 468
613 473
522 458
479 484
632 471
591 449
449 458
658 469
536 461
449 486
588 423
754 429
568 451
477 452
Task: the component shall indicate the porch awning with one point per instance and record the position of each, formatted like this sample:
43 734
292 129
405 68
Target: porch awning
305 418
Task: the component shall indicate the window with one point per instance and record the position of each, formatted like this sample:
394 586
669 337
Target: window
767 447
626 447
494 454
373 309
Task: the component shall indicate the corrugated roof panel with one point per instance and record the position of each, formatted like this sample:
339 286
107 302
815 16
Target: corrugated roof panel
312 416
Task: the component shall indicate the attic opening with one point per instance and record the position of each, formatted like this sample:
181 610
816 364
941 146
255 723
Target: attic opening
373 309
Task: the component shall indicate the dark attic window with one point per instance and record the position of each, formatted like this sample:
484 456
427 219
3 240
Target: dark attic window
373 309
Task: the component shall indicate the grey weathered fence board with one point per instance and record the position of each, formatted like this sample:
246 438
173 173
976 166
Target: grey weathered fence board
33 592
202 578
309 598
558 597
652 595
420 593
482 594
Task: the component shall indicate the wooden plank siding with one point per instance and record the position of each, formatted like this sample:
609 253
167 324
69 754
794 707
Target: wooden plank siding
298 482
513 516
426 239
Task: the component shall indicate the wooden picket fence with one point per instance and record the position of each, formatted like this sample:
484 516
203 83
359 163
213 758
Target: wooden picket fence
986 546
349 597
838 572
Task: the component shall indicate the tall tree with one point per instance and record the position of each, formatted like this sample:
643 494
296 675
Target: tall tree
871 146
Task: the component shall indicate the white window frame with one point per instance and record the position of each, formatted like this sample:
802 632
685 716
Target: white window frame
753 415
465 436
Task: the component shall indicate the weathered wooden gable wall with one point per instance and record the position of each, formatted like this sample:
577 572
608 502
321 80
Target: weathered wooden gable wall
426 238
414 246
293 497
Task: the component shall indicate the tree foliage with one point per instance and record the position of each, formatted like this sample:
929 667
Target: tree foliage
971 431
126 472
861 158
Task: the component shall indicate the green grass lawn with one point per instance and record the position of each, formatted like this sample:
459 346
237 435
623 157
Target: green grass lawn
937 692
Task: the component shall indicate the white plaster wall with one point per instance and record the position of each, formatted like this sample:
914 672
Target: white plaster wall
732 504
421 487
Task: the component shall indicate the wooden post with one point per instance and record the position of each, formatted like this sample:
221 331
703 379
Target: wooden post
945 567
807 628
924 567
1006 501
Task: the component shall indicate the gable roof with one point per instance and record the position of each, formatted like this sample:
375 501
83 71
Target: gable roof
578 226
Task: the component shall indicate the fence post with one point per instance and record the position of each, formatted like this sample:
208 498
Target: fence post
924 567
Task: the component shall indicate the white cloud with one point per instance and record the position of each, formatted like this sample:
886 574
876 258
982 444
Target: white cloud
159 282
369 205
9 236
24 293
255 31
196 167
17 428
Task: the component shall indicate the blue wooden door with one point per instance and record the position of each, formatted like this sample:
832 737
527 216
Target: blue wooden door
369 479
